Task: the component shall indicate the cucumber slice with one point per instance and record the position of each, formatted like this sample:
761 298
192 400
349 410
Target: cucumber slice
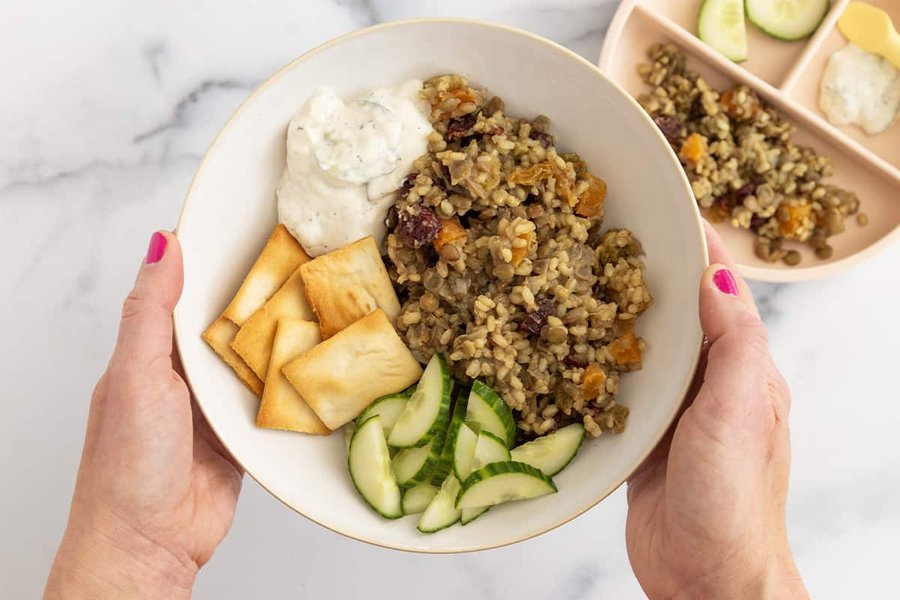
388 408
348 434
416 465
470 514
464 451
442 512
416 499
445 464
370 469
721 25
551 453
491 413
787 20
473 451
426 413
489 449
503 482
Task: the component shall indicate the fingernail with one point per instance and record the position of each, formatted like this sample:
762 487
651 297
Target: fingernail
157 248
724 280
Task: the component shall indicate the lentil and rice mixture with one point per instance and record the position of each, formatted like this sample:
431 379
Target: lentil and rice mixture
497 250
742 165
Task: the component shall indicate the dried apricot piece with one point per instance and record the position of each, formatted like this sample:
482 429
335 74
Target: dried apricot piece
564 186
626 351
694 149
447 104
541 172
593 381
740 102
520 252
450 231
590 203
791 218
532 175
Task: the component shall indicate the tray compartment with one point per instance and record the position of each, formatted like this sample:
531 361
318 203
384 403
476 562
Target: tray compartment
769 59
803 88
855 168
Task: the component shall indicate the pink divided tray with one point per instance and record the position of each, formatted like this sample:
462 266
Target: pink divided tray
787 76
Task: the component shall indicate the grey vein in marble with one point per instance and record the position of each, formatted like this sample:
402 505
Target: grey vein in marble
179 112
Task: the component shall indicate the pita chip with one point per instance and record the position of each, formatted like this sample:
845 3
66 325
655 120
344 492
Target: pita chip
347 284
343 375
282 407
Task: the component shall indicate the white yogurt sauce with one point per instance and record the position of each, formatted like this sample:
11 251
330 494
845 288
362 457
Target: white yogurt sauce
346 161
860 88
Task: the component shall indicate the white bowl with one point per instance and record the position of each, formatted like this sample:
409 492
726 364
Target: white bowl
230 209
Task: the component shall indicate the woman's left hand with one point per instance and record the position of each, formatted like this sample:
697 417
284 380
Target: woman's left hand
156 491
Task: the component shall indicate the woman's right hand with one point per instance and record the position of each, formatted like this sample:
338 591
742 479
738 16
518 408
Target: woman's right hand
706 509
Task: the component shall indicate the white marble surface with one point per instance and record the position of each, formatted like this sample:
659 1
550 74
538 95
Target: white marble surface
106 110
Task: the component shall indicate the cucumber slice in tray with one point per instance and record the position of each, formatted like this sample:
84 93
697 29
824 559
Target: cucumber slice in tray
787 20
721 25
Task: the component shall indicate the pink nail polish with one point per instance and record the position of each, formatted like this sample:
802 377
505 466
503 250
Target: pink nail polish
724 280
157 248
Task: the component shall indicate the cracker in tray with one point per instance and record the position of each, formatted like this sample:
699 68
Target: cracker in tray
280 257
343 375
254 341
282 407
219 335
347 284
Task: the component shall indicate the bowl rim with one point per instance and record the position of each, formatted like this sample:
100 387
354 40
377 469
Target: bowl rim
569 54
755 273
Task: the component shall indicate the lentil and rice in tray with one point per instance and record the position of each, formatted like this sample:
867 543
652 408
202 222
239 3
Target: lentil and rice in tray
498 250
743 167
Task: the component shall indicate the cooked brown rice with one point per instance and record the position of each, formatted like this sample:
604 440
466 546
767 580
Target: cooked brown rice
497 250
742 165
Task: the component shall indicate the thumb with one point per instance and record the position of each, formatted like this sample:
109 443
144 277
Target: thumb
740 383
726 304
145 332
